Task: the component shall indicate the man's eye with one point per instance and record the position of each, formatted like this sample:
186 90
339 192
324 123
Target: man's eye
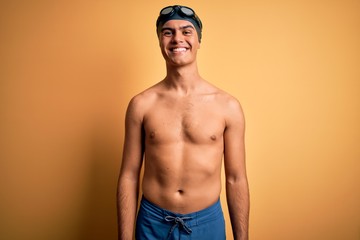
187 32
167 33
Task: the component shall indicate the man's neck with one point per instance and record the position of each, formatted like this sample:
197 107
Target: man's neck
183 79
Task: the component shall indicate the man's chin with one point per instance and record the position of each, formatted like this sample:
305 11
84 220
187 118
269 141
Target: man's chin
179 62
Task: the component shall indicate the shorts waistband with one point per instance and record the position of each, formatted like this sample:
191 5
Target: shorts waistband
192 219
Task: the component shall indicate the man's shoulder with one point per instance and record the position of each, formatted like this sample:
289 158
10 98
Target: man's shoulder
225 98
146 97
229 104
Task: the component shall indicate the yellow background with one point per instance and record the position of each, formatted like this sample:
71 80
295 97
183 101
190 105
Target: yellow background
69 68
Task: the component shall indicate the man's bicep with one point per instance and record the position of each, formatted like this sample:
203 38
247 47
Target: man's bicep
133 144
234 153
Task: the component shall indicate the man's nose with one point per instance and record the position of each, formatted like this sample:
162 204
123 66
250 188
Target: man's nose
178 37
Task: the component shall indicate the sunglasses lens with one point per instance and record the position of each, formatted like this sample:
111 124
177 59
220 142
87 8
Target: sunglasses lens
166 11
187 11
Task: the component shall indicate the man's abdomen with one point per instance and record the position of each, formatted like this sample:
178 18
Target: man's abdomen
182 185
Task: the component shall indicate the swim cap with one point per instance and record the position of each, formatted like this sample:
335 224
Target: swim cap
178 12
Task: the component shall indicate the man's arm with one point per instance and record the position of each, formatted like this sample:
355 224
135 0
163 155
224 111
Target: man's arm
237 190
128 184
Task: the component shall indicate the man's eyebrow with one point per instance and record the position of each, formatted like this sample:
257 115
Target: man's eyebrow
187 26
167 28
172 29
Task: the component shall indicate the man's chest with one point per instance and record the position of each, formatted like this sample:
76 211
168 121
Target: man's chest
198 123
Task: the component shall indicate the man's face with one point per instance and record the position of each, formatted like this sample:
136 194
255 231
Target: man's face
179 42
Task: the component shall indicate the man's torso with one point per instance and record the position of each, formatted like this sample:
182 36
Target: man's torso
183 148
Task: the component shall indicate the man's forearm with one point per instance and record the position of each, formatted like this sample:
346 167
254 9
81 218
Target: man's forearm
127 196
239 205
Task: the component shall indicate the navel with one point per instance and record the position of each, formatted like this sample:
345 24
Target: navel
180 191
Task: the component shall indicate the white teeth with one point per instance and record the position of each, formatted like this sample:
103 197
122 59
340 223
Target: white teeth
179 50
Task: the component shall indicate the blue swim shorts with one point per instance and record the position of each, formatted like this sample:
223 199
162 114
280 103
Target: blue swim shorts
155 223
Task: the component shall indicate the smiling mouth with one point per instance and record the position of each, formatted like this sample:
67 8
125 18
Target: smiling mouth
178 50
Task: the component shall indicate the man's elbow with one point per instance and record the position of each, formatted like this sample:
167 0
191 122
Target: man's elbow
236 179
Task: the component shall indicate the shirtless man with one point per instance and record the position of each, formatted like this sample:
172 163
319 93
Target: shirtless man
183 127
